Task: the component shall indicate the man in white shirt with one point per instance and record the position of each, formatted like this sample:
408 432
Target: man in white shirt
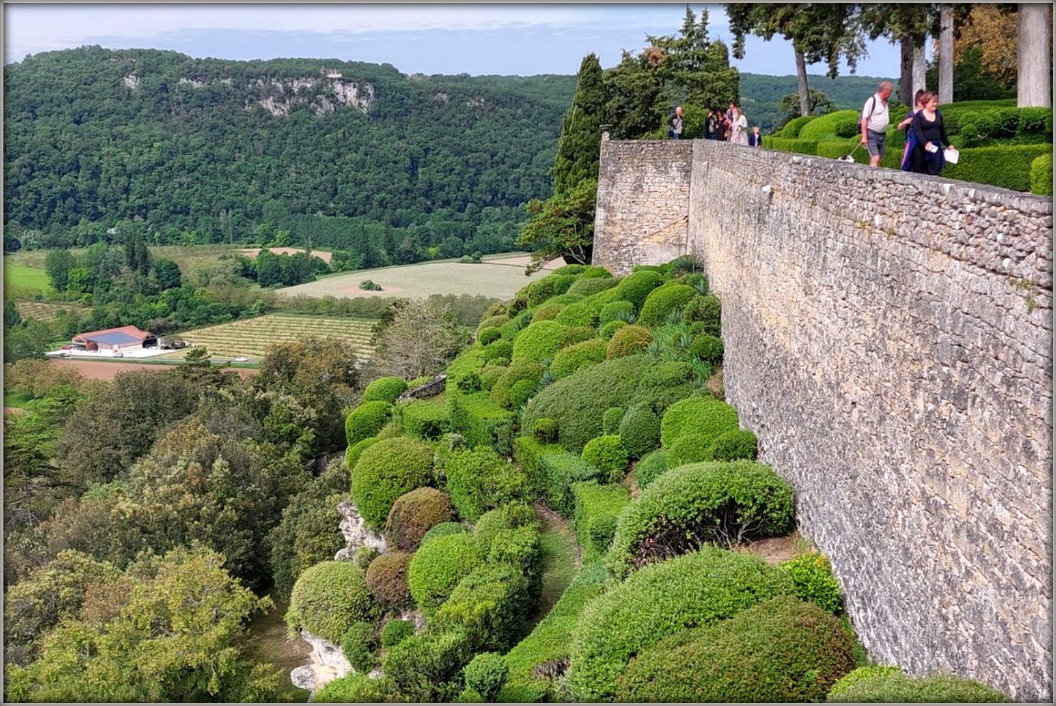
874 122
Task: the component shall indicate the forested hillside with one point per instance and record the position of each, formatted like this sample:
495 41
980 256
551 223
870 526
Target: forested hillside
203 151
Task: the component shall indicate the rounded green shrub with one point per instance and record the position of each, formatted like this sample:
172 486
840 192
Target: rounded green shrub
640 430
542 339
547 287
690 506
690 591
521 392
781 650
386 579
479 480
486 673
385 471
636 286
617 311
811 577
578 314
353 452
385 390
438 566
509 516
628 340
733 445
396 631
706 416
689 448
366 420
444 529
427 420
424 665
607 454
664 300
491 605
489 334
707 347
360 645
519 370
327 598
545 430
610 420
706 310
511 328
652 466
840 123
585 286
546 312
881 684
697 280
1041 175
792 127
607 331
497 350
576 357
356 688
491 375
595 272
493 321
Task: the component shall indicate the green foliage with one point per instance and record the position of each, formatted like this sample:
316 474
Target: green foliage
635 287
639 430
701 503
880 684
577 357
422 665
355 688
733 445
437 567
707 310
385 389
706 416
415 513
1005 166
490 605
486 673
353 452
427 420
690 448
479 479
663 300
792 128
689 591
542 339
617 311
596 508
366 420
364 556
482 422
842 123
368 285
386 579
396 631
708 348
585 285
489 334
799 146
562 225
520 370
559 469
577 150
1041 175
627 341
578 314
359 645
444 529
607 331
651 467
547 311
608 455
328 598
811 578
387 470
610 420
781 650
509 516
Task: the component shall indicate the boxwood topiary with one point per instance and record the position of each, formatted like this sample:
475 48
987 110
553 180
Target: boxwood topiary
706 416
489 334
1041 175
792 127
385 471
607 331
707 347
665 383
327 598
396 631
363 557
486 673
356 688
424 665
585 286
576 357
596 508
479 480
610 420
497 350
690 591
366 420
559 469
518 323
607 454
652 466
386 579
636 286
640 430
578 314
881 684
523 369
781 650
427 420
438 566
545 430
415 513
444 529
521 392
495 322
628 340
542 339
663 300
353 452
491 605
733 445
701 503
385 389
617 311
689 448
706 310
811 578
489 376
546 311
360 645
509 516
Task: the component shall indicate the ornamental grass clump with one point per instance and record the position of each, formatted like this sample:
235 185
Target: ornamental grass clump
385 471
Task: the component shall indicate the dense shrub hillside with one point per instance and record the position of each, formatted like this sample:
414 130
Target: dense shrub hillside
542 413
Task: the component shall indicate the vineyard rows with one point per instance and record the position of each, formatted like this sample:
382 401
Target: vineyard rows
251 337
43 311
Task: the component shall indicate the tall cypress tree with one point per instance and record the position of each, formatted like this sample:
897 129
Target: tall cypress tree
578 148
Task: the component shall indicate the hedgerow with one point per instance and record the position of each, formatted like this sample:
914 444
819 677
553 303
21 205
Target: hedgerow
542 339
639 430
385 389
327 598
415 513
781 650
427 420
385 471
695 590
438 566
663 300
423 666
701 503
596 508
706 416
628 340
1007 166
528 450
576 357
1041 175
652 466
479 479
881 684
366 420
608 455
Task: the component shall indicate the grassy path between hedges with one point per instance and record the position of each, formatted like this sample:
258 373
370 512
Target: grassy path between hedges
560 559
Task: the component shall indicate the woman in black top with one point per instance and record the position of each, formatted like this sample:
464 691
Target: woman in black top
929 131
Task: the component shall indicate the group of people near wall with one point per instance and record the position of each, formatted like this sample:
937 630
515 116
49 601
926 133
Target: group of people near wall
927 145
731 126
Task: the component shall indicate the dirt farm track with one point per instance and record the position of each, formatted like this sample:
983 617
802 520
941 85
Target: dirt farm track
98 370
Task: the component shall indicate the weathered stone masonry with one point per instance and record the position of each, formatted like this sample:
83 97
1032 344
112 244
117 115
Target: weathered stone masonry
889 339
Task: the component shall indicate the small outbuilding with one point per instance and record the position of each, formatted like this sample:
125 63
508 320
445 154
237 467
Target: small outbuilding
122 339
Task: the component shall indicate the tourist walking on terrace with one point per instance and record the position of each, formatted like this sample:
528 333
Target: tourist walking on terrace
874 122
674 125
929 132
907 154
739 125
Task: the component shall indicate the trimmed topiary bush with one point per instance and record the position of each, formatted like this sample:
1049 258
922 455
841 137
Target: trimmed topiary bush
521 392
665 383
486 673
596 508
481 422
586 286
444 529
438 566
415 513
559 469
578 314
791 129
360 645
607 331
708 348
640 430
518 371
628 340
510 516
706 416
385 390
546 311
385 471
652 466
491 605
577 357
497 350
366 421
607 454
636 286
687 507
617 311
610 420
363 557
811 578
479 480
1041 175
352 453
690 591
489 334
396 631
664 300
356 688
327 598
427 420
781 650
689 448
733 445
386 579
879 684
545 430
424 665
542 339
706 310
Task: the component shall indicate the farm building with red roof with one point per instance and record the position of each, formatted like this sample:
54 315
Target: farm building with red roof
114 339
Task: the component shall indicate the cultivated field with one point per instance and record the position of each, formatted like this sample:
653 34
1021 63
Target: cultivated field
43 311
251 337
24 280
499 277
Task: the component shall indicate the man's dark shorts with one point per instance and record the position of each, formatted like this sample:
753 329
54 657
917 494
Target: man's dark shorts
875 143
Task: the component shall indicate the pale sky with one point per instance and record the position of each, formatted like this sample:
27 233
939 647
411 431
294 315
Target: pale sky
478 39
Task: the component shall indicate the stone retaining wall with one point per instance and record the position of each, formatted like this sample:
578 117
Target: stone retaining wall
888 338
